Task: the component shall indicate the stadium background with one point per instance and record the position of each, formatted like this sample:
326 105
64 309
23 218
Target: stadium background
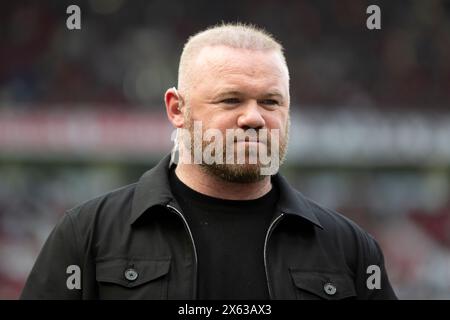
81 113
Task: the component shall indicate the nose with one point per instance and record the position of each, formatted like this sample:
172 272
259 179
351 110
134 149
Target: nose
251 117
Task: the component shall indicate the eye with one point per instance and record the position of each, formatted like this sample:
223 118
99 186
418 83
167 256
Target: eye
231 101
269 102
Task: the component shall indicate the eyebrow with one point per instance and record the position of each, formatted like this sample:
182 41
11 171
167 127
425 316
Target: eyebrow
272 94
228 93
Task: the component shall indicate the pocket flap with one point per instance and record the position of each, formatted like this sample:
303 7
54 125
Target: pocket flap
330 286
131 273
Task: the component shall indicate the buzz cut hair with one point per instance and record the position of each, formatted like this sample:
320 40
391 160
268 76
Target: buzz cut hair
234 35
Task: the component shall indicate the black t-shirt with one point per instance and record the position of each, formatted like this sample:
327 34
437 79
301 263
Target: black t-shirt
229 237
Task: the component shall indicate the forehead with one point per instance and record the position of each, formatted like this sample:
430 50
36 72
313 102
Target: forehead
225 65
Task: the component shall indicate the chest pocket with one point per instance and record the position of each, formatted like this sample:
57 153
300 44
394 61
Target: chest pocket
123 279
322 285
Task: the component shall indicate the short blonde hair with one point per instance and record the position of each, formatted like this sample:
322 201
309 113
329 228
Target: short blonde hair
234 35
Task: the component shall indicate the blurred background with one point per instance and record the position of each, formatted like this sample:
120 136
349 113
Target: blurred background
82 112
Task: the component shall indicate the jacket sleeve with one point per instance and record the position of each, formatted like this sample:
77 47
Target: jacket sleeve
56 273
373 279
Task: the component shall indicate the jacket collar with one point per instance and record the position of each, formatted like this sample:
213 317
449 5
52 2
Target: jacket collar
293 202
153 189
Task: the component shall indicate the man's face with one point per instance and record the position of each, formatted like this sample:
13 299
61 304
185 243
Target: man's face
239 89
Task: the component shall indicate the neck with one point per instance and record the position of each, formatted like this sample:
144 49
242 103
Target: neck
197 179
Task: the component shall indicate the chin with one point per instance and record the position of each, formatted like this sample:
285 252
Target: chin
237 173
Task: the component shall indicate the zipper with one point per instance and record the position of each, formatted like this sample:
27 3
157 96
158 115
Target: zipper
269 232
173 209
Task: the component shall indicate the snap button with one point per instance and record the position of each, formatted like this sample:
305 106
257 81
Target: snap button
329 289
131 274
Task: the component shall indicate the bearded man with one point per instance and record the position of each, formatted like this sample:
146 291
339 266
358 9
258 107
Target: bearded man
217 221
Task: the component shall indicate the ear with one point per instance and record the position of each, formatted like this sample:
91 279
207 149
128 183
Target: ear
173 108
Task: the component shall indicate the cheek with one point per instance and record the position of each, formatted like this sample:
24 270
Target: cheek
276 121
219 120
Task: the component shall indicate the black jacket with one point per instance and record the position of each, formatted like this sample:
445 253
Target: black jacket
134 243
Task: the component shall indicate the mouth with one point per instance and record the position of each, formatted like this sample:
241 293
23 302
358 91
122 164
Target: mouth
247 140
250 144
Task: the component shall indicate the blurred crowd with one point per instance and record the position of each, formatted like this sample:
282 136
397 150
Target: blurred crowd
126 55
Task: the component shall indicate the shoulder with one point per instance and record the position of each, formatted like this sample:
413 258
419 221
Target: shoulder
340 228
113 206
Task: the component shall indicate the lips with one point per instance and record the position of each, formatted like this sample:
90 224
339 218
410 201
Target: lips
247 139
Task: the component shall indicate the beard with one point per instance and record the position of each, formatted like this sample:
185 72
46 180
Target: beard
247 172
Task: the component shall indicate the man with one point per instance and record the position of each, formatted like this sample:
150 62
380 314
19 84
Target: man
221 229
